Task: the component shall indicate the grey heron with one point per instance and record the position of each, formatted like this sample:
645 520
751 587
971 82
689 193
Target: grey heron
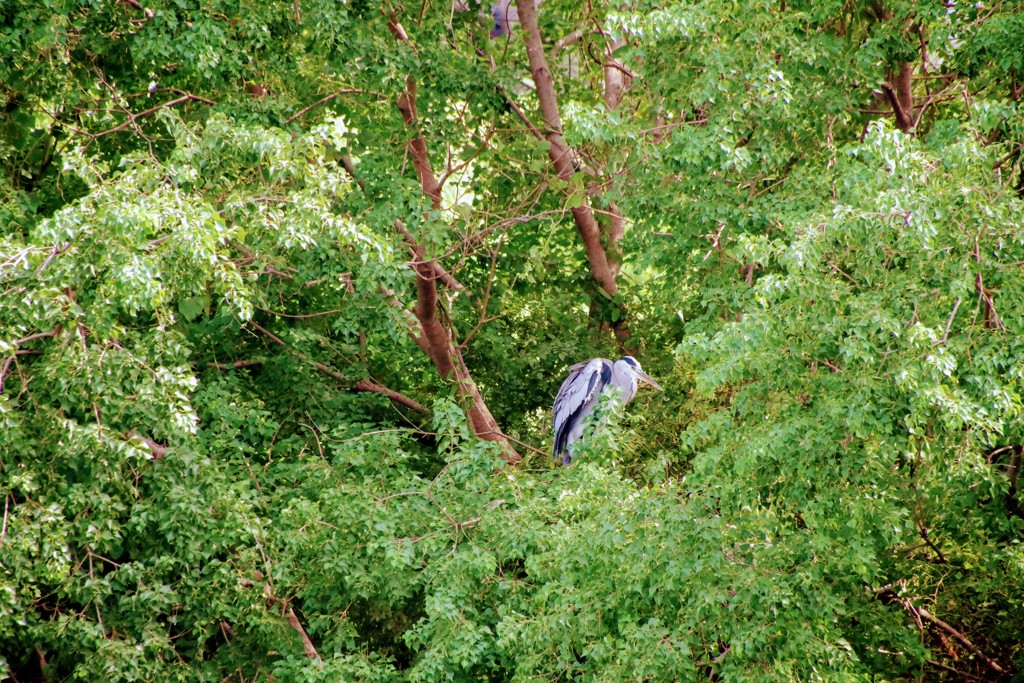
579 394
505 14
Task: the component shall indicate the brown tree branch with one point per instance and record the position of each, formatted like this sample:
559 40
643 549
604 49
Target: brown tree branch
39 335
350 168
158 450
1013 474
362 385
133 118
293 620
324 100
237 365
420 253
615 76
370 386
5 368
515 107
569 39
945 667
888 595
436 338
418 144
561 155
991 318
413 328
287 611
931 544
949 323
900 94
992 664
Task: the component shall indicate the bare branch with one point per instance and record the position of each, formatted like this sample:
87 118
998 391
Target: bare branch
158 450
133 118
615 76
992 664
487 297
928 541
307 643
962 674
567 40
436 338
840 271
1013 474
991 318
237 365
39 335
350 168
362 385
949 323
7 506
370 386
348 91
888 595
273 337
286 610
297 316
57 251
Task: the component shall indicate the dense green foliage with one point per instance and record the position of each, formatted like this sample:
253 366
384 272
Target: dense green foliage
213 460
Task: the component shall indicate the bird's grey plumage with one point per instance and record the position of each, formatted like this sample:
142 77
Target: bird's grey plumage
505 15
580 392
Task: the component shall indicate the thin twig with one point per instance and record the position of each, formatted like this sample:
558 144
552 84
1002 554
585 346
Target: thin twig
962 674
949 323
39 335
487 297
55 252
315 436
370 386
132 118
5 368
364 385
834 367
840 271
325 100
237 365
7 505
931 544
297 316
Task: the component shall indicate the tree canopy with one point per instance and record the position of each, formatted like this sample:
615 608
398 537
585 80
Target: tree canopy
287 290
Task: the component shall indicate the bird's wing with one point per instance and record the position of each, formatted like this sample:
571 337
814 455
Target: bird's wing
504 14
579 392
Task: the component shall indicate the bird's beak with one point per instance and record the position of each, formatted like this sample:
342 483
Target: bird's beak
647 378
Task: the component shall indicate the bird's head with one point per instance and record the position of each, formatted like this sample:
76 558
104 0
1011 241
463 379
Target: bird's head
631 367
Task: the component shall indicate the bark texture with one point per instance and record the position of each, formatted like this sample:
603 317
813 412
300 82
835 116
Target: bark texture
437 338
562 156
